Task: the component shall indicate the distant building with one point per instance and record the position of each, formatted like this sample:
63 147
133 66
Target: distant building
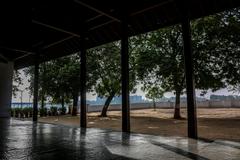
116 100
224 97
19 104
136 99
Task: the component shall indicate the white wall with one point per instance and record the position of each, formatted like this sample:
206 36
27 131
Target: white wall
6 74
204 104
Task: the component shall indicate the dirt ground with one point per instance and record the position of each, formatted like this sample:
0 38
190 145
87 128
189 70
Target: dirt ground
212 123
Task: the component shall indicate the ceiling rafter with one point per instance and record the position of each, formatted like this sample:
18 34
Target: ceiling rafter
25 55
101 25
3 58
151 7
97 10
55 28
145 16
58 42
94 18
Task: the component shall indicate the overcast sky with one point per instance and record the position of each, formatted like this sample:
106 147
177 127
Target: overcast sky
27 98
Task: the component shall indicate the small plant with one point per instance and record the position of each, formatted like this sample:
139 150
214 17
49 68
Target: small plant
30 110
49 113
69 109
53 111
74 111
43 112
63 110
25 112
17 112
12 112
21 110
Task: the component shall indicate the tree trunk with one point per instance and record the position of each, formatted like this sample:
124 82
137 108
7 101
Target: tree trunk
42 106
42 101
177 114
43 85
62 103
106 105
75 103
154 105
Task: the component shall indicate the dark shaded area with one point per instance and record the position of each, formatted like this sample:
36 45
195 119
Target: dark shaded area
54 27
40 141
180 151
28 140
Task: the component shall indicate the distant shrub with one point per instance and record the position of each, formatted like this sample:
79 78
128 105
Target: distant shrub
63 110
25 112
53 111
43 112
17 112
12 112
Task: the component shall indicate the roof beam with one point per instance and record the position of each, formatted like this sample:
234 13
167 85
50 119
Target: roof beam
58 42
25 55
22 51
100 25
151 7
3 58
93 18
37 44
55 28
14 50
97 10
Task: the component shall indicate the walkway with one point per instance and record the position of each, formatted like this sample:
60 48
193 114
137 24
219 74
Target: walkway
21 140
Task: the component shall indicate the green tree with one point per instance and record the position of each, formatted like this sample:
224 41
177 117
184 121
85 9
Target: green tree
217 37
59 79
163 59
17 81
108 68
153 92
64 82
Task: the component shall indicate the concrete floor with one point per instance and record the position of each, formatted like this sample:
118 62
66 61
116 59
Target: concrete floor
21 140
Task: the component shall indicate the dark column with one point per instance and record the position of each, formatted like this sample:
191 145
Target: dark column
35 91
83 115
125 76
6 75
191 102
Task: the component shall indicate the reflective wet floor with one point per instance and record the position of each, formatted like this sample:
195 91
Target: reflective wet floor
22 140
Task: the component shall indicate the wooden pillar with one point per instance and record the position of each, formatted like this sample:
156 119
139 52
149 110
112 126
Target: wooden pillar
125 76
35 89
83 74
189 72
6 76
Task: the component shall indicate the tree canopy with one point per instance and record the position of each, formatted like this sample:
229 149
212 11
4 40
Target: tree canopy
216 62
156 60
108 69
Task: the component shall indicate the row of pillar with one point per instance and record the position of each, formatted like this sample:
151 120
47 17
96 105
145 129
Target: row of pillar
7 71
192 122
6 75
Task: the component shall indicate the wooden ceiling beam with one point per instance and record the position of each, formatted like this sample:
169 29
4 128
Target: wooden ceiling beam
151 7
58 42
93 18
100 25
3 58
97 10
11 50
55 28
25 55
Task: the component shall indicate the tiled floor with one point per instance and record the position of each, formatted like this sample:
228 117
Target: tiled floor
27 140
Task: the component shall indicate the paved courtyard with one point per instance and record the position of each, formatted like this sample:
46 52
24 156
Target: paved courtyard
21 140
